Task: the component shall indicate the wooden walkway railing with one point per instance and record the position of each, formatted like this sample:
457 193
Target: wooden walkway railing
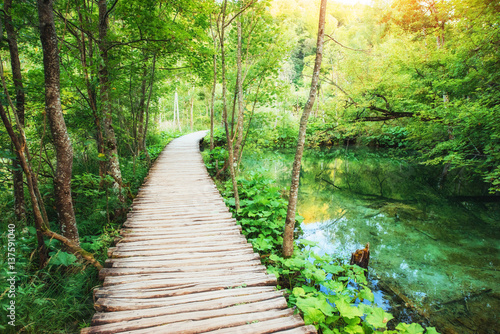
183 265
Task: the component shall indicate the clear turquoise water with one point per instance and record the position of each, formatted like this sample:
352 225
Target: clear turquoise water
431 251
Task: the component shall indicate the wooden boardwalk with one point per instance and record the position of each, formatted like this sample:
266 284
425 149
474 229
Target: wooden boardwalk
183 265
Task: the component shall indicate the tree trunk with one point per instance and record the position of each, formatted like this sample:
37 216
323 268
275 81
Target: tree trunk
141 112
224 109
17 174
361 258
91 93
111 146
212 103
145 133
239 85
192 116
288 240
60 137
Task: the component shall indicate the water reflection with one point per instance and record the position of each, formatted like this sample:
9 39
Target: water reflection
439 256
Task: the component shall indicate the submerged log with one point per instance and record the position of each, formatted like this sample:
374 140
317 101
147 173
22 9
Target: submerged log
361 257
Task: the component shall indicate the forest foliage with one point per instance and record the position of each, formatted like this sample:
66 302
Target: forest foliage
418 76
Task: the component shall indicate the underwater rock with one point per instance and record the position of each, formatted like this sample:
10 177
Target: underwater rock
403 211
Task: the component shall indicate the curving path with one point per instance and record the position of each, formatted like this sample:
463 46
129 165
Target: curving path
182 265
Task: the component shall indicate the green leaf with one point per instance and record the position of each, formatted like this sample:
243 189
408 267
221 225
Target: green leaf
431 330
274 258
63 258
313 316
326 330
410 329
354 329
366 294
318 303
333 269
307 242
378 318
298 292
347 311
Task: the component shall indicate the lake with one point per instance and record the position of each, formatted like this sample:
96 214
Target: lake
434 242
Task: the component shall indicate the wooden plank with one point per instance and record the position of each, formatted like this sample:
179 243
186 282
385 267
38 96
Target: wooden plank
185 272
125 249
155 317
182 289
239 242
173 253
175 263
265 327
205 228
119 307
167 278
300 330
239 254
184 215
166 222
227 281
184 241
199 326
129 237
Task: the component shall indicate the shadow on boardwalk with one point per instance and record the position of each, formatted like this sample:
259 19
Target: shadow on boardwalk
183 265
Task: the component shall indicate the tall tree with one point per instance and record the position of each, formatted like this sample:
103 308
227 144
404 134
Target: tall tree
288 240
60 137
111 146
214 84
85 41
19 202
222 27
239 89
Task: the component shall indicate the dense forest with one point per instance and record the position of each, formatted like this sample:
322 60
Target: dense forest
93 90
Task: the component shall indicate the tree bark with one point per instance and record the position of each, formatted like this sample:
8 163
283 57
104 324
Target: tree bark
141 112
288 239
192 113
147 110
239 85
224 109
212 103
60 137
111 146
17 174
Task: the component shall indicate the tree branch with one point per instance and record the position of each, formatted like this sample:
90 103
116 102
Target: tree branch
239 13
346 47
109 10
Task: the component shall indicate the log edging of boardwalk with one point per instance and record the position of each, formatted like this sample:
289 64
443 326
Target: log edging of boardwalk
182 264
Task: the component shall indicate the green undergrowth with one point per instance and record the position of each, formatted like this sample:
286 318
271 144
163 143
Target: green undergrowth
329 294
59 297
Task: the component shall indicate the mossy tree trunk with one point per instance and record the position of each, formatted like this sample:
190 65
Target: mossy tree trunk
110 143
60 137
17 174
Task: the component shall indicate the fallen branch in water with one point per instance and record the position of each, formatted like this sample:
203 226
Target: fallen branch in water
424 233
462 299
